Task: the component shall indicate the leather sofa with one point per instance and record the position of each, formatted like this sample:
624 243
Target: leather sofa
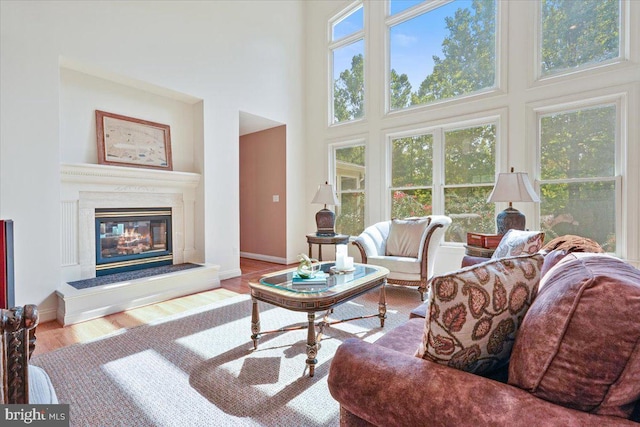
575 360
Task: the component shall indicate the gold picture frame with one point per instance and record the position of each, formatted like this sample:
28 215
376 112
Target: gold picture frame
127 141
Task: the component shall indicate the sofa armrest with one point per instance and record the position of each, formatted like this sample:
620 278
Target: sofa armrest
469 260
388 388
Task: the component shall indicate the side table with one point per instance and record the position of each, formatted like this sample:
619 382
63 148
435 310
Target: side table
477 251
338 239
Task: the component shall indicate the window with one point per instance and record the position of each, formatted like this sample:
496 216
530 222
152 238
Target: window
468 176
349 166
578 34
469 170
412 176
578 173
438 52
347 63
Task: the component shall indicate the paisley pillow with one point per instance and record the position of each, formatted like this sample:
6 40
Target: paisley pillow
518 242
474 313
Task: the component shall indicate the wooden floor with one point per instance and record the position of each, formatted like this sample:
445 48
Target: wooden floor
51 335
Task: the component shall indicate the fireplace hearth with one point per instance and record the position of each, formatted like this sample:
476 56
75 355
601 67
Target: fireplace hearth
132 239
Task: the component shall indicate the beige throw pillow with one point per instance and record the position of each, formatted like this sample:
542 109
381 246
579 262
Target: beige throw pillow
474 313
405 236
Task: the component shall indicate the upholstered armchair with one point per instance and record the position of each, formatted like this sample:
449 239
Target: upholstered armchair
407 248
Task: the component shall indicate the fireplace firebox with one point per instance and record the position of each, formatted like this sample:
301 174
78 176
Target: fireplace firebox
132 239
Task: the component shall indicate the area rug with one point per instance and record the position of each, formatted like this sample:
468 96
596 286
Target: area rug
199 368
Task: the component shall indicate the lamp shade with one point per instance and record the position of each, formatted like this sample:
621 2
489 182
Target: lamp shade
513 187
325 195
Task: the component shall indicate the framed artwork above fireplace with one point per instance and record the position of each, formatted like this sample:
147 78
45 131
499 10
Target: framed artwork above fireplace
127 141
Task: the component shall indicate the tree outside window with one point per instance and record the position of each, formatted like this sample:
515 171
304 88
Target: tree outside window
469 174
577 170
575 34
347 59
443 53
350 187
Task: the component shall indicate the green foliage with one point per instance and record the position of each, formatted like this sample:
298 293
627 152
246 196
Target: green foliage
576 33
348 92
468 62
412 161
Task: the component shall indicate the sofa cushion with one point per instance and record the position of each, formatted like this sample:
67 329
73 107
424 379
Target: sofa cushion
579 344
474 312
405 236
518 242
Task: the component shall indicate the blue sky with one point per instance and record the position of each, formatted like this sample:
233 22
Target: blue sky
413 42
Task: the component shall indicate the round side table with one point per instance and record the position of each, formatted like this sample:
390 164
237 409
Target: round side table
338 239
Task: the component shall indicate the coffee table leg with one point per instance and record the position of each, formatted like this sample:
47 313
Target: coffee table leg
382 305
312 345
255 324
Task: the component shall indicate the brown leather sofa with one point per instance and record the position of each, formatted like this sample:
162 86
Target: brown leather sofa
575 361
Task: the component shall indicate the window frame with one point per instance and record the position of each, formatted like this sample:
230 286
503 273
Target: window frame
438 130
501 50
621 61
347 143
340 43
566 105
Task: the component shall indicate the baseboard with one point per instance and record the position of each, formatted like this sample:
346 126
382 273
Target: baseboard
229 274
267 258
47 315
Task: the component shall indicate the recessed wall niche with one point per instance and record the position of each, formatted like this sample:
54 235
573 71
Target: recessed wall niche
81 93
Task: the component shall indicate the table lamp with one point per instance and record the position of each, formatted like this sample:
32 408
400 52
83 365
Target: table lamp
325 219
512 187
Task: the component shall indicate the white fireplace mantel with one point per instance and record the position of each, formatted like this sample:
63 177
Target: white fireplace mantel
88 174
87 187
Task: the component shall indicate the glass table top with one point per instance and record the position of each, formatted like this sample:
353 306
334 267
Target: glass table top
329 278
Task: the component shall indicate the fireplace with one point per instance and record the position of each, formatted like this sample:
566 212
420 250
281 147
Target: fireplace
132 239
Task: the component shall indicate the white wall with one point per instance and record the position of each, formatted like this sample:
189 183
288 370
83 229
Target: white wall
230 56
514 104
81 94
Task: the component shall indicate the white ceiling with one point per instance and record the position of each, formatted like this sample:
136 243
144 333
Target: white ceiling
250 123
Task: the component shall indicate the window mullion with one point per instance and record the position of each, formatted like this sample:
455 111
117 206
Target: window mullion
438 171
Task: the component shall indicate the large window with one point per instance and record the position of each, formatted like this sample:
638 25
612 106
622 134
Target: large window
437 51
419 185
347 63
349 165
578 173
578 34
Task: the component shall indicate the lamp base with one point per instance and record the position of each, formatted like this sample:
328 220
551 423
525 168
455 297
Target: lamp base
508 219
325 221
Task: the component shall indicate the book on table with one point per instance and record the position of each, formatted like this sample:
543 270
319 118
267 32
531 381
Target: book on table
320 278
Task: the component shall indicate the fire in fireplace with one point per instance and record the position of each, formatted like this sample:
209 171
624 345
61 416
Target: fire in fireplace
132 239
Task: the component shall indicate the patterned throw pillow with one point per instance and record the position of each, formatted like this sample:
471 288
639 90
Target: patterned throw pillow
405 236
474 313
518 242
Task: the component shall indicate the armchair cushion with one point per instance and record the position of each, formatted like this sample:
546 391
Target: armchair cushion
41 390
474 313
405 236
579 343
518 242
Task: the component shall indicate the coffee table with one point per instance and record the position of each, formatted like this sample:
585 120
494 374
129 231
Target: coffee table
280 290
